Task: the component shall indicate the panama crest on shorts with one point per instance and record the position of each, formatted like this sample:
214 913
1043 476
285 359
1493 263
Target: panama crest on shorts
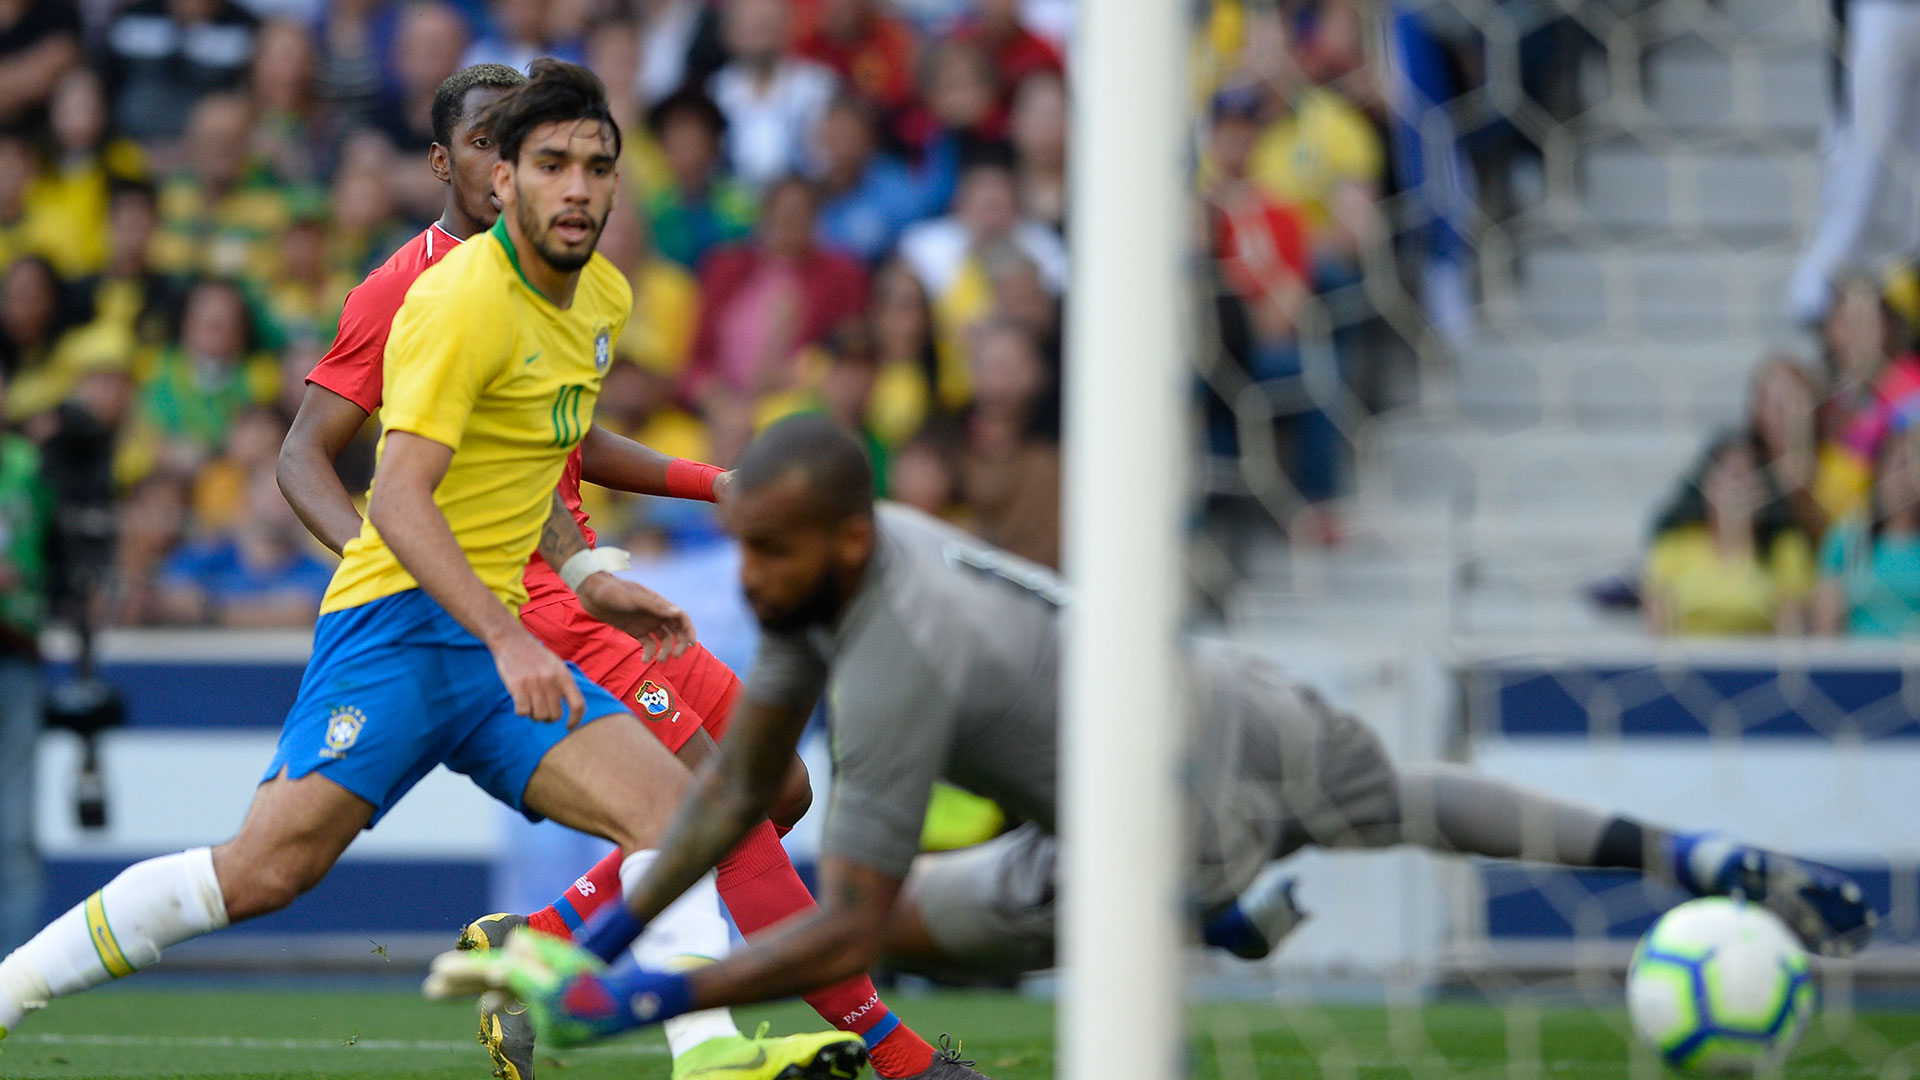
343 730
656 701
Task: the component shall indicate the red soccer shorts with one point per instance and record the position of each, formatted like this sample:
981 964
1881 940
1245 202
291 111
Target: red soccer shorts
674 697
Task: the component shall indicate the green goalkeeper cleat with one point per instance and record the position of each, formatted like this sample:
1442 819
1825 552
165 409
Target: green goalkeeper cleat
815 1055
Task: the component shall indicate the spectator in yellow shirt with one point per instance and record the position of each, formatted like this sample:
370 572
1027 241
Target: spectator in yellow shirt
22 232
637 394
901 321
306 293
134 306
367 223
200 384
37 317
295 130
70 195
666 298
224 214
1737 569
1322 155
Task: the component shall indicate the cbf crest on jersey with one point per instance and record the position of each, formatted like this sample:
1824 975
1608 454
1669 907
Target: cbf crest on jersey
602 348
343 730
654 698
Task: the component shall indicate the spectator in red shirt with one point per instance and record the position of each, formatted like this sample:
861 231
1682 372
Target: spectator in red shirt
960 100
762 301
1016 51
1262 244
1262 250
870 49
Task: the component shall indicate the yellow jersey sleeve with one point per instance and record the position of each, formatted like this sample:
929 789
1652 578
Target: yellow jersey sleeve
446 346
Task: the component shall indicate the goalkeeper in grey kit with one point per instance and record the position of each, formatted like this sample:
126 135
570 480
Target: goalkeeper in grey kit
938 658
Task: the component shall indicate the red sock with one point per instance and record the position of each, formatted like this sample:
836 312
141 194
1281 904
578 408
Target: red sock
588 893
760 888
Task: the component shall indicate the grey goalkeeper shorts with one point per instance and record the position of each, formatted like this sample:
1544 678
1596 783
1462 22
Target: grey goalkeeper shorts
1274 769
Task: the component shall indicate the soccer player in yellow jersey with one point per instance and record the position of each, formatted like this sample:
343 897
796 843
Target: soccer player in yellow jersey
418 658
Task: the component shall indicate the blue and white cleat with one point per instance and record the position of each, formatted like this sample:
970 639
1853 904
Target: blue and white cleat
1823 906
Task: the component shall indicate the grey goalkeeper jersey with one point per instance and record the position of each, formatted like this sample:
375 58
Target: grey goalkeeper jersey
944 666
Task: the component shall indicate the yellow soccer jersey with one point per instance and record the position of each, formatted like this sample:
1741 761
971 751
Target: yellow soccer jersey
478 360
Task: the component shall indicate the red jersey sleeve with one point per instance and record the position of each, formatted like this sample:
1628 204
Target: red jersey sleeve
354 365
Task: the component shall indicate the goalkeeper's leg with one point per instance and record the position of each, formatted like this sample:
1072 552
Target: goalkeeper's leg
1449 808
1329 781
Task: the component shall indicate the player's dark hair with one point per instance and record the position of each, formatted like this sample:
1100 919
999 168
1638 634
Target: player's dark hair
450 100
839 477
555 92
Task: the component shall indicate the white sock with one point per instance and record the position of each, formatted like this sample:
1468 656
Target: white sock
115 932
691 931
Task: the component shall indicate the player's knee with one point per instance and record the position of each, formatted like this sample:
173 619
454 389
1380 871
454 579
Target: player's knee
261 890
259 882
795 798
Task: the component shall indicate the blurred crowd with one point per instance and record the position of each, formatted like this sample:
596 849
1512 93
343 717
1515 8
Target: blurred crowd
1807 518
855 207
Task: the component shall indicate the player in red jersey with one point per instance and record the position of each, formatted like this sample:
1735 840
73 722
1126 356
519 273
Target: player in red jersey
684 700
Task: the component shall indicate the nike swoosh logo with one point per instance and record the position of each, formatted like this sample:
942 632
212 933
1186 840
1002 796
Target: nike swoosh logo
532 358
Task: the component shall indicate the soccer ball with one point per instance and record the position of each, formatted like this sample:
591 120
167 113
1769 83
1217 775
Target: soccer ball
1720 986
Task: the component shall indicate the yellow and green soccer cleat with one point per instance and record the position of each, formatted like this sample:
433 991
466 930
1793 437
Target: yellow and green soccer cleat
504 1028
815 1055
561 984
570 1000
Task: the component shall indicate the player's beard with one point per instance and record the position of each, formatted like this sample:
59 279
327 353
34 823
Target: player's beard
819 607
562 260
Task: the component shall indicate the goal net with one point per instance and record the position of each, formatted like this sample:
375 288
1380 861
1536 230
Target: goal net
1551 419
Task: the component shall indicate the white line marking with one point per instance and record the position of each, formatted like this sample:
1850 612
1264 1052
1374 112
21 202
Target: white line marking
239 1042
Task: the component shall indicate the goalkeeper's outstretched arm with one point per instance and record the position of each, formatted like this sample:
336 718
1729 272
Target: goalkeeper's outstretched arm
840 940
731 793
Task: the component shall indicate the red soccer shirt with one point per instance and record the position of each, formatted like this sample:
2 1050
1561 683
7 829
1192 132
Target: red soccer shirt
1016 55
1261 244
878 63
354 366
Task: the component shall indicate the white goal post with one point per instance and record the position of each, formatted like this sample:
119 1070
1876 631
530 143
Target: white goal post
1127 388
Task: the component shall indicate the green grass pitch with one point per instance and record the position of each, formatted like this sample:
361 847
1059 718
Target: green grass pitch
393 1035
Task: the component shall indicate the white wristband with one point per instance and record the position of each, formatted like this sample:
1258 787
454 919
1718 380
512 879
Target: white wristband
584 564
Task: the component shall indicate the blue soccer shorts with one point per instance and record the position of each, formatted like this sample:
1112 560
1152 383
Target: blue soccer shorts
396 687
